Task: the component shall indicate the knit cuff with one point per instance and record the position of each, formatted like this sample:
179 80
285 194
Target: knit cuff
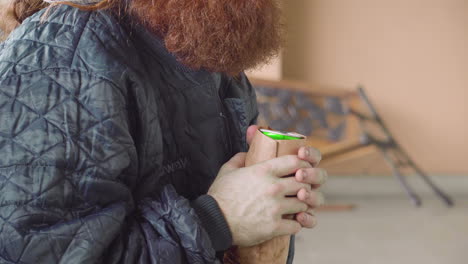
213 221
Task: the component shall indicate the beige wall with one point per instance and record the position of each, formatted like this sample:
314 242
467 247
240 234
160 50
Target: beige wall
273 70
411 55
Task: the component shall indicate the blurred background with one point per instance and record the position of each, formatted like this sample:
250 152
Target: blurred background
411 56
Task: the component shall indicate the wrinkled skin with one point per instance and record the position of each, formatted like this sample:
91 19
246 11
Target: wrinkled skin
254 199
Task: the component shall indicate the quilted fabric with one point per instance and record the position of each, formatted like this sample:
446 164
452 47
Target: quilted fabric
104 139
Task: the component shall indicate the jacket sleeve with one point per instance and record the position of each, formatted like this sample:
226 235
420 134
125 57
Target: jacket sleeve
67 170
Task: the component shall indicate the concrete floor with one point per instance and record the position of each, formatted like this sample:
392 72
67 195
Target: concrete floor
385 228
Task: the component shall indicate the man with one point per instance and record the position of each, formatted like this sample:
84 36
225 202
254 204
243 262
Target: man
123 132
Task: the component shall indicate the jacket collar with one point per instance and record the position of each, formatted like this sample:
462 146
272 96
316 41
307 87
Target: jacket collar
158 48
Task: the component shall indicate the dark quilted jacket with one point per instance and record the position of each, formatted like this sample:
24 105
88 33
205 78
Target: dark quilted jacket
105 140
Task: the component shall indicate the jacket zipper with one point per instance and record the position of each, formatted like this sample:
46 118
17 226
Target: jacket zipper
222 113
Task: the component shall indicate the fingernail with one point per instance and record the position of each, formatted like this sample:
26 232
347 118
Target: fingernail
319 155
323 176
300 176
306 152
303 174
314 222
299 217
320 199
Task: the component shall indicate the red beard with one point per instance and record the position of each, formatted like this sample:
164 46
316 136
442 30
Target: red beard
217 35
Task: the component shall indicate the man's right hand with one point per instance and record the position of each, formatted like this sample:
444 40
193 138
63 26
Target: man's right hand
254 199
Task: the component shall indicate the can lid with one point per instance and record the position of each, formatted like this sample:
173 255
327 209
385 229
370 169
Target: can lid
279 135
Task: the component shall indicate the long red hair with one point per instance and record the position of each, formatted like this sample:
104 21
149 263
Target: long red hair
25 8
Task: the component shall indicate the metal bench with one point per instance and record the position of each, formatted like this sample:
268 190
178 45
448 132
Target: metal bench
339 123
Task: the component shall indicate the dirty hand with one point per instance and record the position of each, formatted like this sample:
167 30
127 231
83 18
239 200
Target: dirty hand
254 199
314 177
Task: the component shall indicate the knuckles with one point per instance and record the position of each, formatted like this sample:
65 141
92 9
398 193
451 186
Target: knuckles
297 229
276 211
263 168
306 186
294 161
275 189
276 225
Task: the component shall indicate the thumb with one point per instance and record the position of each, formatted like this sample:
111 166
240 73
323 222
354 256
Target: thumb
236 162
251 133
288 227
